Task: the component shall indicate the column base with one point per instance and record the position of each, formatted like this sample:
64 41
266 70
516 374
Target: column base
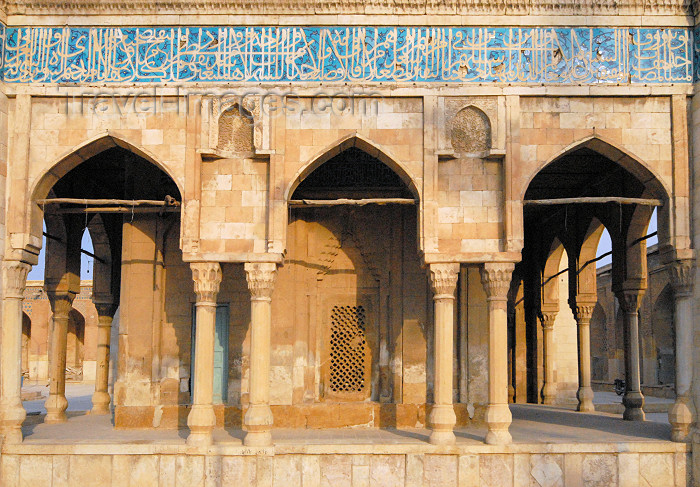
634 404
13 415
100 403
498 419
681 418
201 422
258 438
549 394
258 420
200 438
56 406
442 421
585 400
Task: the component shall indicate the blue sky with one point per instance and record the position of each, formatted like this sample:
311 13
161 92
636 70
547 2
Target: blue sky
37 272
605 244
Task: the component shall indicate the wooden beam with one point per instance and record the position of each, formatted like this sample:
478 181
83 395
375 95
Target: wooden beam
169 201
596 200
346 201
116 209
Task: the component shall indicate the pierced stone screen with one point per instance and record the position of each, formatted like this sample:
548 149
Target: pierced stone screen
348 349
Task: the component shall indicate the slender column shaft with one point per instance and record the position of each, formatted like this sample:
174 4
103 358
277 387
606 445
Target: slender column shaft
583 313
443 278
496 278
549 390
100 398
12 412
258 418
56 404
202 420
682 413
630 299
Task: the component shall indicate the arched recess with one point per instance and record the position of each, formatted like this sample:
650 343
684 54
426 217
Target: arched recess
663 334
26 342
129 235
596 168
599 344
471 131
353 141
75 342
357 266
71 160
235 130
550 285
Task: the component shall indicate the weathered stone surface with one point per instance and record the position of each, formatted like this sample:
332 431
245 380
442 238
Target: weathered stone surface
387 470
656 469
336 471
440 470
496 470
599 470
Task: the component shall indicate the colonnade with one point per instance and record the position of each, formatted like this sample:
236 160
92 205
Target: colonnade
258 420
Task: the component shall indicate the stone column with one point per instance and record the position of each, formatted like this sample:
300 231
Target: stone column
258 417
12 412
443 278
56 404
496 278
549 390
201 420
682 413
100 398
630 300
582 314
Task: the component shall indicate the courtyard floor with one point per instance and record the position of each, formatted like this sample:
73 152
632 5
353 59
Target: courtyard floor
531 424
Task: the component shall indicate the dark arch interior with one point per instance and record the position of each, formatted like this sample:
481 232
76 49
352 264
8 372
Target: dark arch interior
352 174
116 174
584 172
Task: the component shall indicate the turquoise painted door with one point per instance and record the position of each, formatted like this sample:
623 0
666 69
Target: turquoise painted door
220 352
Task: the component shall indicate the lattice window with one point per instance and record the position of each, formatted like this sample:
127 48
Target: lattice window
348 349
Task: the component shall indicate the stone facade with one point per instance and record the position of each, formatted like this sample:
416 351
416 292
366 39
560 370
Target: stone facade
356 218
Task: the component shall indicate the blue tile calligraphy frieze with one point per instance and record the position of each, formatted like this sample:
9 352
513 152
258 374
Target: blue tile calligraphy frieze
347 54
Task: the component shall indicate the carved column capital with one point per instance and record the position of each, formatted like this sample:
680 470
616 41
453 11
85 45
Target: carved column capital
207 278
496 277
261 279
443 280
15 278
547 319
630 299
681 274
583 312
105 308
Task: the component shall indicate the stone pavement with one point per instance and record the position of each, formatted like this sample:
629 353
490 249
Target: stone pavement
531 424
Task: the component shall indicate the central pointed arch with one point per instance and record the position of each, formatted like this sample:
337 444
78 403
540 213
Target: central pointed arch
348 142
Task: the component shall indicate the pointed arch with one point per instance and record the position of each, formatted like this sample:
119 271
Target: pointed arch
628 161
358 141
63 165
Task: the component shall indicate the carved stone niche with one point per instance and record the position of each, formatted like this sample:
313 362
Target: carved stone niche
234 128
470 129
